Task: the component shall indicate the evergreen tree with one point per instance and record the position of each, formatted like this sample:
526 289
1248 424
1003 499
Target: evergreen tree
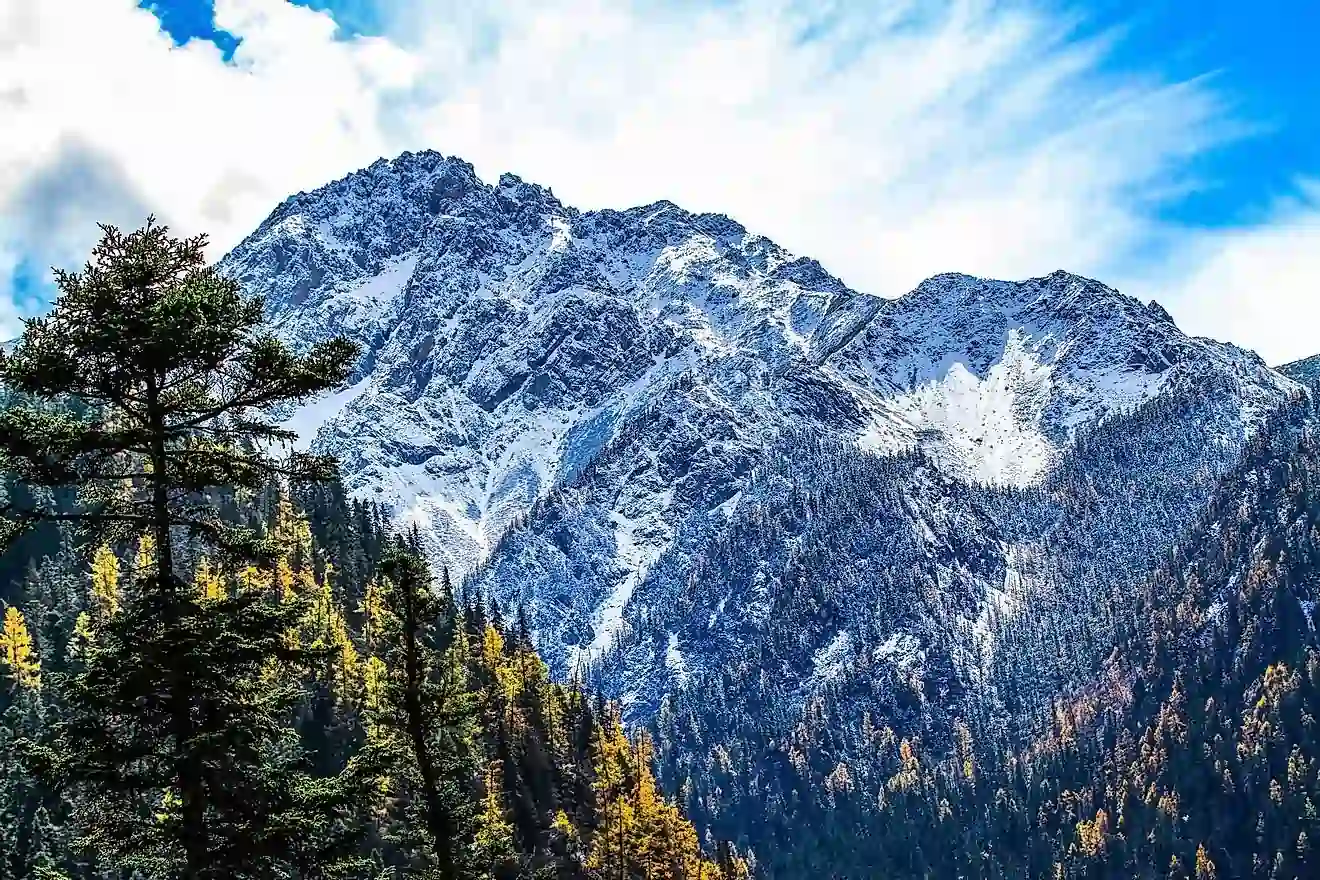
143 392
422 711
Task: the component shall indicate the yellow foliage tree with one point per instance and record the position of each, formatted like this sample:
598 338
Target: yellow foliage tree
609 855
494 838
1093 834
326 629
373 614
563 827
908 776
105 597
105 582
505 670
640 833
20 661
146 555
374 675
209 583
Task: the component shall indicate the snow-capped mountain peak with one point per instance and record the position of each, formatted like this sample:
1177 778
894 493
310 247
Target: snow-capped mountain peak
636 365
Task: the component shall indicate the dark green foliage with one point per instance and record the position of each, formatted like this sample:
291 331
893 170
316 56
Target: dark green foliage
252 678
422 714
174 366
171 741
260 812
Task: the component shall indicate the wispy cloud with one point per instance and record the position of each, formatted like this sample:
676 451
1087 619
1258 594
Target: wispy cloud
1256 285
889 139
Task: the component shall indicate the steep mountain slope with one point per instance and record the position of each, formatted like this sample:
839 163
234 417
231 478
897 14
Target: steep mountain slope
508 336
744 499
1306 370
1188 751
638 365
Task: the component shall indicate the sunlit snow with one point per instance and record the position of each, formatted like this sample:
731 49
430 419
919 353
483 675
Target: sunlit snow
308 418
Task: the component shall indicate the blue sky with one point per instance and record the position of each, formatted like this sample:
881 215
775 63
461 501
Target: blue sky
1263 54
1169 148
185 19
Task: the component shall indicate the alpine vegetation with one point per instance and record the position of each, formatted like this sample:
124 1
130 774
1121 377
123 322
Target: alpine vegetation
215 666
442 529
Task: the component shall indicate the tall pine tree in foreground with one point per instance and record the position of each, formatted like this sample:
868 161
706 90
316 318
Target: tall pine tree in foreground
422 712
176 744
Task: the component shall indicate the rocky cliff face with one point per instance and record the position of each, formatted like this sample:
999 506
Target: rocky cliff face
695 458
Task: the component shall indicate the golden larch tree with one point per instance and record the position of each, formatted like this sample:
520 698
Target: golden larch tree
16 653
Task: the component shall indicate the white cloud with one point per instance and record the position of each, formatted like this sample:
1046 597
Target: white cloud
891 140
1258 285
103 113
893 145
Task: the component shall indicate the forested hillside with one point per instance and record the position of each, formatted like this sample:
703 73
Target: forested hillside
215 665
1191 752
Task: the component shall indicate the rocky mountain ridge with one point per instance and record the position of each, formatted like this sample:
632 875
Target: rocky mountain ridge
582 410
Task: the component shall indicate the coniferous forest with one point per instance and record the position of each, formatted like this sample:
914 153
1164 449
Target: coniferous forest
1192 751
215 664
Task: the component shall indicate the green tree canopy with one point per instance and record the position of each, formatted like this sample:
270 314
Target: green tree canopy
144 399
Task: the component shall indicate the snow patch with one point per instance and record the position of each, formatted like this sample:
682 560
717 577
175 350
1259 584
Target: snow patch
674 658
562 234
830 660
989 429
636 548
382 288
307 420
903 650
728 508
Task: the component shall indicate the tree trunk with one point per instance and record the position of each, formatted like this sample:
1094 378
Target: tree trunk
437 817
192 791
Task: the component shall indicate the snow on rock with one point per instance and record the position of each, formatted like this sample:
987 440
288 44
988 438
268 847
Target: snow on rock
901 650
674 658
307 419
989 429
567 402
829 661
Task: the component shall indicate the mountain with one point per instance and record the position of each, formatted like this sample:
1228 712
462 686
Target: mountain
513 342
1189 751
1307 370
743 498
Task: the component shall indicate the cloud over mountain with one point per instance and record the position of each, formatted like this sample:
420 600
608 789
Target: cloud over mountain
893 140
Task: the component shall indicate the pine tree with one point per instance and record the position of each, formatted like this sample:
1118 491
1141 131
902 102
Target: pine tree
421 710
147 385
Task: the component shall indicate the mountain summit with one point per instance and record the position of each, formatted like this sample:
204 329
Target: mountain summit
509 339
